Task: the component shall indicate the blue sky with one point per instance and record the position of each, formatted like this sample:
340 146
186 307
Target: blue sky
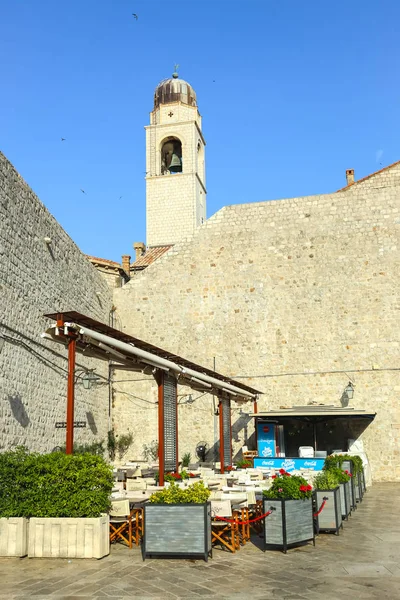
292 93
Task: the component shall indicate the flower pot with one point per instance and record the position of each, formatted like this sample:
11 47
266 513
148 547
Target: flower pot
347 465
177 530
359 487
69 538
290 523
330 517
345 492
13 536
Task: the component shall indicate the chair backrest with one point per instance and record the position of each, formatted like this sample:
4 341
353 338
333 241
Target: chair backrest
244 448
251 497
135 484
119 508
221 508
135 472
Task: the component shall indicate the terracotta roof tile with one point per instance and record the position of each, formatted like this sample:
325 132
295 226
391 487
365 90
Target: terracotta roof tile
103 261
150 256
368 176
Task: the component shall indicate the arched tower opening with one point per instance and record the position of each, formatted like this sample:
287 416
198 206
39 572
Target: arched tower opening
171 156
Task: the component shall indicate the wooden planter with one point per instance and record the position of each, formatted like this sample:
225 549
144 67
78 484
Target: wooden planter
330 518
69 538
347 465
289 524
13 536
345 503
177 530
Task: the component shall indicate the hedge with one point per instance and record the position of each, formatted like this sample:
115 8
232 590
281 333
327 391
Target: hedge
53 485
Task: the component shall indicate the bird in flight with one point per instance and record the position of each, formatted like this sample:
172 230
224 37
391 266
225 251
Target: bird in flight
120 198
63 139
135 16
83 191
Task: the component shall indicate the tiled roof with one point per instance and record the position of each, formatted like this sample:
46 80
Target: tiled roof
103 261
368 176
150 256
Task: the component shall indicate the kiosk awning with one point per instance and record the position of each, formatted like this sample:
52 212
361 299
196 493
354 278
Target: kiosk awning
315 412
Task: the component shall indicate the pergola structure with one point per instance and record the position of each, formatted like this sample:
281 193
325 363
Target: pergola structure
80 333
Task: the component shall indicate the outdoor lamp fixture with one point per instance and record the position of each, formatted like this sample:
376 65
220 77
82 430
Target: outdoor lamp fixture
216 413
89 379
349 390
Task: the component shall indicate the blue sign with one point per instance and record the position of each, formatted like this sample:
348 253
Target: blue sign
290 464
266 439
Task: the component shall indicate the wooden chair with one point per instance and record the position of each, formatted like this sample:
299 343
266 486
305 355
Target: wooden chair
223 532
125 524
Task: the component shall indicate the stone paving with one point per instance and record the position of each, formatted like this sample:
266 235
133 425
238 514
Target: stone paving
363 562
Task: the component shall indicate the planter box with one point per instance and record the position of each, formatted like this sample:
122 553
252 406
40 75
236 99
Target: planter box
13 536
345 503
177 530
359 487
69 538
347 465
290 523
330 518
363 482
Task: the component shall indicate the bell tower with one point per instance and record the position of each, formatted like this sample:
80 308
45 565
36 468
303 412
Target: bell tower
175 164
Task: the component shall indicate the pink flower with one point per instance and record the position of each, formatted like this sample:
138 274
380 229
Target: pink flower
280 490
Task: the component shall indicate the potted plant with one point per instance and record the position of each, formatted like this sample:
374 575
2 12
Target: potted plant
177 523
327 490
13 521
351 465
291 519
344 480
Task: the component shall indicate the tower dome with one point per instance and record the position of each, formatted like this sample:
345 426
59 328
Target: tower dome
174 90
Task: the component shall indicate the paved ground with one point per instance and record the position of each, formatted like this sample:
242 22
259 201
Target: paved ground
363 562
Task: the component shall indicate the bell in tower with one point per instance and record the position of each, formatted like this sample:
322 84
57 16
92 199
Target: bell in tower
175 164
171 156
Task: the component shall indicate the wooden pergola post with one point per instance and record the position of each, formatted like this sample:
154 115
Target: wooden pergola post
69 442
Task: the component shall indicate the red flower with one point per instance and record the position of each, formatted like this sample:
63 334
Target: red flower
229 469
282 471
273 477
309 488
286 474
303 488
192 475
348 473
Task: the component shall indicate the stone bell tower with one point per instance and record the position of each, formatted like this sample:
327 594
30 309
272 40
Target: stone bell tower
175 164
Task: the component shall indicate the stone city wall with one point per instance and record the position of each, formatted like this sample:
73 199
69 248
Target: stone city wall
37 278
294 297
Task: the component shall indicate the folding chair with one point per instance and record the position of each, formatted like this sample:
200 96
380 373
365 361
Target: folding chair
133 485
223 532
125 524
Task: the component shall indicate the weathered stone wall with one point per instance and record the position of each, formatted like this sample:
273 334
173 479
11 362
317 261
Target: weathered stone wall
291 296
38 278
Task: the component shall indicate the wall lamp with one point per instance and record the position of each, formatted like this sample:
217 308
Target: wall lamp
349 390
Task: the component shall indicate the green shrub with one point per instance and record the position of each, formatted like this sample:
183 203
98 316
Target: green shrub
53 485
340 475
194 494
326 480
336 460
290 487
96 448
